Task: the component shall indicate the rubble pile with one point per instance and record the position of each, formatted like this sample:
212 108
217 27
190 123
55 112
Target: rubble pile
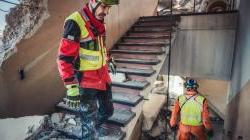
55 126
66 126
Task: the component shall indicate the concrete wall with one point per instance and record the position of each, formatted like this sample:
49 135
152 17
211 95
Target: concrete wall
42 88
238 115
204 46
215 92
124 15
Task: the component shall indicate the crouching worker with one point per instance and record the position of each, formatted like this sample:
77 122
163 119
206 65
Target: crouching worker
192 111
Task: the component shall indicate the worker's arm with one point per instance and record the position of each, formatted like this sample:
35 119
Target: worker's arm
68 52
175 114
205 116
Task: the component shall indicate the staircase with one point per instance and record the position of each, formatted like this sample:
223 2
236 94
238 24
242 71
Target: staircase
140 54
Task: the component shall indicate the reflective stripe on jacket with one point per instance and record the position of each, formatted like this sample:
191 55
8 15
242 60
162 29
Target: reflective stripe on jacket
191 110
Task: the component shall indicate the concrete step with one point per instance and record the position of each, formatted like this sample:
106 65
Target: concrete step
156 23
145 57
121 117
145 34
155 44
146 37
126 98
139 25
137 51
145 40
141 48
133 71
155 29
159 18
133 65
140 85
150 32
138 61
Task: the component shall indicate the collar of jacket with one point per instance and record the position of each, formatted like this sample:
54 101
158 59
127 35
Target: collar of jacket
97 24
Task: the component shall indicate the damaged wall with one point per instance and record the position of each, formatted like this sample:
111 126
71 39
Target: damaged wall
42 87
237 125
22 22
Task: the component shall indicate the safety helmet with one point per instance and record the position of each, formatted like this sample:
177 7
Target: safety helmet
191 83
94 4
109 2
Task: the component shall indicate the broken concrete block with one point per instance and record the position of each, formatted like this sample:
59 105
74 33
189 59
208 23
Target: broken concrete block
71 121
118 77
56 117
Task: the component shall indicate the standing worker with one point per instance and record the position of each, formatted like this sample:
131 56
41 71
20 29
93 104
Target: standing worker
192 111
83 66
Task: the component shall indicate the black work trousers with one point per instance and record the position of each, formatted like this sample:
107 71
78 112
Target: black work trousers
96 107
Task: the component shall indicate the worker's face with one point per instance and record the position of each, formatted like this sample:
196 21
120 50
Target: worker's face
102 11
191 91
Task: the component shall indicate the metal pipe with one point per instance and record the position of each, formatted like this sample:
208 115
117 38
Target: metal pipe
233 5
194 7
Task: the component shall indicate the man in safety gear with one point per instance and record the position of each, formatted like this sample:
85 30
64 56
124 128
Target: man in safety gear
83 65
192 111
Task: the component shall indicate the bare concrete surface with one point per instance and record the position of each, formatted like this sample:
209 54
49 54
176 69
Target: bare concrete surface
20 128
216 93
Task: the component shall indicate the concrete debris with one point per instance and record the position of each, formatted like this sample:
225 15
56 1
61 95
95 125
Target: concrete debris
64 126
118 77
56 118
72 122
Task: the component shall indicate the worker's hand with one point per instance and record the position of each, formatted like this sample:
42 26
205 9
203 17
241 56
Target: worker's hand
73 96
210 133
112 65
174 128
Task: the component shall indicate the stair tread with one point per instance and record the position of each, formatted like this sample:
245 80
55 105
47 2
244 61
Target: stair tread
145 44
151 26
138 61
126 98
138 51
143 72
146 37
140 85
121 117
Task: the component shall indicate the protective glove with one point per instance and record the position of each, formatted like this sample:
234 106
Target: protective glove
210 133
112 65
73 95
